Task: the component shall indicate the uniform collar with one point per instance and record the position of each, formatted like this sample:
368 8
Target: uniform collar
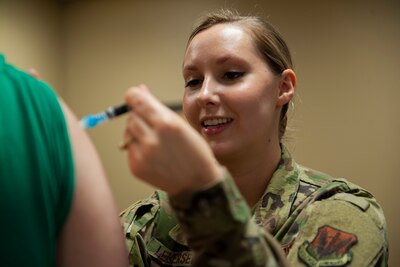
273 208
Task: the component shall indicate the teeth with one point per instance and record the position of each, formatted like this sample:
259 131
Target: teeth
214 122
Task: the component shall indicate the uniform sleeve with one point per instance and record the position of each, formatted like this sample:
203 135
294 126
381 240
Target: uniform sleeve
344 230
220 231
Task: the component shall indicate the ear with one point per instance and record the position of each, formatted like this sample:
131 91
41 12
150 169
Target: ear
286 87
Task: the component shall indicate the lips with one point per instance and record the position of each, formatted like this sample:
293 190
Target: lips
214 126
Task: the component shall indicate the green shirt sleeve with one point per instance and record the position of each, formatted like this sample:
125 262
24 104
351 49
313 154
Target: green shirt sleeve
36 169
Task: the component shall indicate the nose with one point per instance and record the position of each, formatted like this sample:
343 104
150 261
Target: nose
208 95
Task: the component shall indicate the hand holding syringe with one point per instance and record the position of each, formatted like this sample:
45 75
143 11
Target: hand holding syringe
93 120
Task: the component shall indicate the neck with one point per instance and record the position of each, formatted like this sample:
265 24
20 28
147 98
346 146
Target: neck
252 172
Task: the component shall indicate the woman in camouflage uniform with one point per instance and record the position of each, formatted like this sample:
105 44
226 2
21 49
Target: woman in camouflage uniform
230 193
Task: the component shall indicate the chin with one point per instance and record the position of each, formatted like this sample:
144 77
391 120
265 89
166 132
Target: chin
221 152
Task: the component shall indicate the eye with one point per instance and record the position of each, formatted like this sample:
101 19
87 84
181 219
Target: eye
192 83
232 75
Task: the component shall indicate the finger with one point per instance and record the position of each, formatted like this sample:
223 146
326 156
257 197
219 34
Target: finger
128 140
134 129
136 144
131 145
138 128
135 156
146 105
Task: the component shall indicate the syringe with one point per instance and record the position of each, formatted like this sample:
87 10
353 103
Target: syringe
93 120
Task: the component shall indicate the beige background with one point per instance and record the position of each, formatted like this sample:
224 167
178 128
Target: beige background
345 120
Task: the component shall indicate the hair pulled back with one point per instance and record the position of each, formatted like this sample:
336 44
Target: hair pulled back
267 40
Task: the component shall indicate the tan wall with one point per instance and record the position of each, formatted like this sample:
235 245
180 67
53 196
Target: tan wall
347 61
30 36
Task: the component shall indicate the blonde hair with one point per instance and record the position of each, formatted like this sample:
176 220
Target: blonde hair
267 39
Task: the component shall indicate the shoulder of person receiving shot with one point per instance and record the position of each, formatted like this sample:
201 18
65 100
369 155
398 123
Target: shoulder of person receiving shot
230 193
57 207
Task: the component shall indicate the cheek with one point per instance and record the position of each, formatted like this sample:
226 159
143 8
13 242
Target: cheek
190 110
256 106
257 99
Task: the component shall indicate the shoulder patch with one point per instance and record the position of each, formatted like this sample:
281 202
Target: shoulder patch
330 247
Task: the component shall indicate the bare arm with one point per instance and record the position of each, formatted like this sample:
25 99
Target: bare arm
92 235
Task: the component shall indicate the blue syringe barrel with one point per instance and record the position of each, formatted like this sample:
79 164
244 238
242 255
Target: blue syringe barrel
93 120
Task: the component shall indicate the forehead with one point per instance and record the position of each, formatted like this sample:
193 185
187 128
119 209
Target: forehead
221 40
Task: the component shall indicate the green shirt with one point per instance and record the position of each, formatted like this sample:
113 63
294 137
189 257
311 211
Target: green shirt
36 169
304 218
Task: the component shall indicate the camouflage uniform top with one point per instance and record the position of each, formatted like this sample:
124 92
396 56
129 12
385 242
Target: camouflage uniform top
304 218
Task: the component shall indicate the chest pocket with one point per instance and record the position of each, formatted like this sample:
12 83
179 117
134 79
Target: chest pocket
167 244
136 221
167 256
153 235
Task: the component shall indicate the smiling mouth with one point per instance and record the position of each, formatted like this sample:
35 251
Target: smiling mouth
216 122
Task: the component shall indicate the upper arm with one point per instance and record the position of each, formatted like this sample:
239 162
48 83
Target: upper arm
92 234
340 233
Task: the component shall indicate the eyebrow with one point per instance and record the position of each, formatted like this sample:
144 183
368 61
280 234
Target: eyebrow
189 68
223 59
218 61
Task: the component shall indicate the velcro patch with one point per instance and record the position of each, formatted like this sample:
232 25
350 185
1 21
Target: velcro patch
330 247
